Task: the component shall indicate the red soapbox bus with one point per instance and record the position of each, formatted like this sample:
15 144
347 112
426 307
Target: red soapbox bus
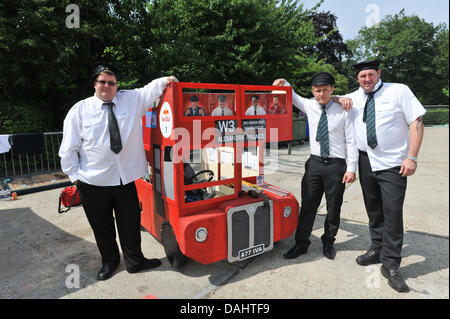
203 196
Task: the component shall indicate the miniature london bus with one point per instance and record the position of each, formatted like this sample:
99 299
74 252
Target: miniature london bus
204 196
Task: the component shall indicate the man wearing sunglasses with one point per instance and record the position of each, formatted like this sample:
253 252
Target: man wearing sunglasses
102 152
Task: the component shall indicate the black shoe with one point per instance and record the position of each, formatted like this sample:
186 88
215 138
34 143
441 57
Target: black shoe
295 251
329 251
395 280
147 264
369 258
107 271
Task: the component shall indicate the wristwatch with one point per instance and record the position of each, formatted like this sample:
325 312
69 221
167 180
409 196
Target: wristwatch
413 158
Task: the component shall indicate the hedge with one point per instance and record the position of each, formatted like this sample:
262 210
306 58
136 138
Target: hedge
436 116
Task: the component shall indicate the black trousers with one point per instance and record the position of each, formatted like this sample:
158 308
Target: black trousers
321 176
99 202
384 194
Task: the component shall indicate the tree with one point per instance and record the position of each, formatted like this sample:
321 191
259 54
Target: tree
239 41
45 64
410 53
331 47
442 61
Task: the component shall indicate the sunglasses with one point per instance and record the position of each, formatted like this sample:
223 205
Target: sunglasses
103 82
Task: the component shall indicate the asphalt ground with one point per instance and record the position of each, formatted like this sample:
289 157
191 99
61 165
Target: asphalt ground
44 255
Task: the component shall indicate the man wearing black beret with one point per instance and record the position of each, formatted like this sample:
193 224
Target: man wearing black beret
388 153
332 162
102 152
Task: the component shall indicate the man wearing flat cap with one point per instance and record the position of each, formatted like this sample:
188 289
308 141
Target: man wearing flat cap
222 109
102 152
388 153
194 109
332 162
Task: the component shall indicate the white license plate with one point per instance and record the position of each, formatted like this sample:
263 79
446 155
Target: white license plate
250 252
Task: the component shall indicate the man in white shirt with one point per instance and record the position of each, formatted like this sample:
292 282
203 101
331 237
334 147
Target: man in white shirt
255 109
222 109
332 163
387 155
102 152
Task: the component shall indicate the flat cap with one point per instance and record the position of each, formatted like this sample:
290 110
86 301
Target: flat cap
194 98
322 78
367 65
221 98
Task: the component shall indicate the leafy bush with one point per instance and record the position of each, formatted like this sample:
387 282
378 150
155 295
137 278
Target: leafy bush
17 118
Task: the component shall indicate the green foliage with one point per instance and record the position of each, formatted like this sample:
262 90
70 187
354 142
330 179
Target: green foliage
412 51
445 90
45 65
222 41
17 118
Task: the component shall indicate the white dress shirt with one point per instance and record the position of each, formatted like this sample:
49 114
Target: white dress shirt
218 111
395 108
85 148
255 110
342 142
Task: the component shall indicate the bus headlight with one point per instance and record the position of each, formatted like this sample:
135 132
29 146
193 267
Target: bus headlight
201 234
287 211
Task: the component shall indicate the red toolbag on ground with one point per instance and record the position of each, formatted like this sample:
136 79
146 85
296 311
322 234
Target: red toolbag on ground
69 197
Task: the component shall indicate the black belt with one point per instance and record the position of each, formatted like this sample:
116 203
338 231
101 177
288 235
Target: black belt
362 152
326 160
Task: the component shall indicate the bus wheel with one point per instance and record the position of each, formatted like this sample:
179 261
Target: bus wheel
173 252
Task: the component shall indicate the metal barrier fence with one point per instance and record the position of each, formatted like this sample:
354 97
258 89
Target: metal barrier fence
47 161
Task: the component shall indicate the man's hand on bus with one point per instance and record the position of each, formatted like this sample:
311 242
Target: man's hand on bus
279 82
172 79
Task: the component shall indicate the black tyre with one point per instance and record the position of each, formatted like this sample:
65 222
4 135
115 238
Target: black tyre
170 244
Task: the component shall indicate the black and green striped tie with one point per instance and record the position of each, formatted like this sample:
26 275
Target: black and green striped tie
369 119
322 134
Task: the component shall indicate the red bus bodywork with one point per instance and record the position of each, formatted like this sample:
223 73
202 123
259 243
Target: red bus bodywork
237 226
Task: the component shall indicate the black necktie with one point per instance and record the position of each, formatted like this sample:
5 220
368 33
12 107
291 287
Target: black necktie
369 118
322 134
114 132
